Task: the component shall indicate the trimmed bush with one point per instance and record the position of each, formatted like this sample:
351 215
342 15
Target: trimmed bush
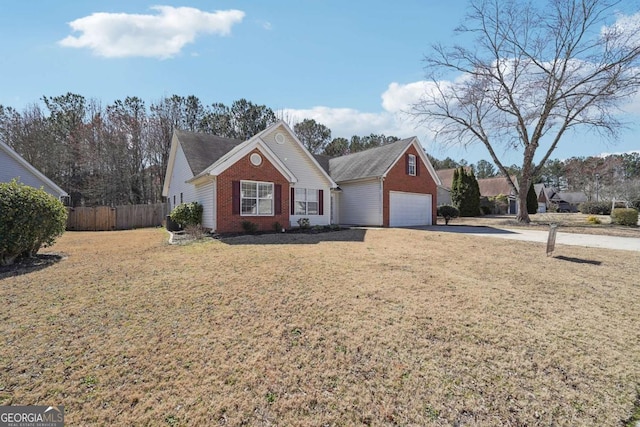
595 208
624 216
29 219
187 214
448 212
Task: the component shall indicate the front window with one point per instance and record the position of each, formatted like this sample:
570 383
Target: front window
306 201
412 165
256 198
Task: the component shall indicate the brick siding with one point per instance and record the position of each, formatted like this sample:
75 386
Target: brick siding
243 169
398 180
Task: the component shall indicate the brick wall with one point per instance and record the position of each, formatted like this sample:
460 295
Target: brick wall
398 180
227 221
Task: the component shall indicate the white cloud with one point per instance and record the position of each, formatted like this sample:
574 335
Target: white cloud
117 35
399 98
392 120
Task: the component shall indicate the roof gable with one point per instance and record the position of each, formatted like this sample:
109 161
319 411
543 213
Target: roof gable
268 136
371 163
202 149
376 162
259 142
12 154
238 152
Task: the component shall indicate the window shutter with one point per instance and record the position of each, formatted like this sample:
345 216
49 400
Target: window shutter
277 198
293 201
235 197
406 164
320 202
417 166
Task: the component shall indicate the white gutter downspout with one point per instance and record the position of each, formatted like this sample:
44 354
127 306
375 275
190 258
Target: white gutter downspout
381 213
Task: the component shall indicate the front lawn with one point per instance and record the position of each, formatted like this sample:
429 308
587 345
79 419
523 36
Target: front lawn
356 327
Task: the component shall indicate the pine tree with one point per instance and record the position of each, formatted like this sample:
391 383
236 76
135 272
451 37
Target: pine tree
532 201
457 189
473 198
465 192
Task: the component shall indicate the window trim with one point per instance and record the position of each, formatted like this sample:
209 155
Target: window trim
257 198
306 201
319 201
412 165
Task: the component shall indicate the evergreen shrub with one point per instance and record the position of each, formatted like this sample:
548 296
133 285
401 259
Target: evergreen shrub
29 219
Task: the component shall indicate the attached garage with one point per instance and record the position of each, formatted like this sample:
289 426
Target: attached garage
409 209
393 185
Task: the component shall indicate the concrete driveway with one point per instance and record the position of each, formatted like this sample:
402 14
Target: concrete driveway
541 236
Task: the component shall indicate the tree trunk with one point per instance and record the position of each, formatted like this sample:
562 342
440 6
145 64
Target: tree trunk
523 213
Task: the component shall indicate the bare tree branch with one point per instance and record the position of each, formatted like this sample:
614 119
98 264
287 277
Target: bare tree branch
531 75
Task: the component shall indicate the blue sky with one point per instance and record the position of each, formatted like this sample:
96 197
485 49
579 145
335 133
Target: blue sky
353 66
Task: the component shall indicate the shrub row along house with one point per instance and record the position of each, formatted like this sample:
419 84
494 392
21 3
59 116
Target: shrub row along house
272 179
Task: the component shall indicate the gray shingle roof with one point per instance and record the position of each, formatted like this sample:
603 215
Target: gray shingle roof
491 187
573 197
203 149
370 163
323 161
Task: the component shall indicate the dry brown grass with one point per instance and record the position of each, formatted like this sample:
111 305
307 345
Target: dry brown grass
379 327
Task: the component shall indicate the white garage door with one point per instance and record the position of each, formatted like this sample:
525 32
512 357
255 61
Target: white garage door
409 209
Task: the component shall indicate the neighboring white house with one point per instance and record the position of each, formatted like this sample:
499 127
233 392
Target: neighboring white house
13 166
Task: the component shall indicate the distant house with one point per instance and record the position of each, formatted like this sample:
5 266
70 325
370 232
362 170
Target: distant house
13 166
551 199
444 189
492 187
272 179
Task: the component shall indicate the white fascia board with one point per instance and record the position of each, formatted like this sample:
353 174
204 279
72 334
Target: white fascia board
254 143
416 143
170 163
425 159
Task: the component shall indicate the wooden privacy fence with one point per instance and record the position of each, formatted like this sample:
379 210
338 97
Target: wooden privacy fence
125 217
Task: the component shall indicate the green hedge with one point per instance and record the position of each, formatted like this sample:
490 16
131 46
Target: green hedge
29 219
595 208
187 214
624 216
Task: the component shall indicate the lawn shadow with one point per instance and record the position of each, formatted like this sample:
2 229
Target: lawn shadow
465 229
577 260
350 235
30 265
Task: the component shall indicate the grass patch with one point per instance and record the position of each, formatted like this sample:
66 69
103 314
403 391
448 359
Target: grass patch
379 327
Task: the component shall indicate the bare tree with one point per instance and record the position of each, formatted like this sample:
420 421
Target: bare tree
530 75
